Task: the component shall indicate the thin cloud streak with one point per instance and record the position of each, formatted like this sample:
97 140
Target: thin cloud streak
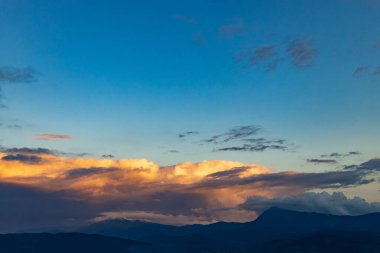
52 136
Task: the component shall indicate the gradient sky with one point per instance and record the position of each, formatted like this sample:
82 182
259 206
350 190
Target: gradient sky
155 79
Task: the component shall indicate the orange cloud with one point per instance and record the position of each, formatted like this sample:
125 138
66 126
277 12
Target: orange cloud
187 192
52 136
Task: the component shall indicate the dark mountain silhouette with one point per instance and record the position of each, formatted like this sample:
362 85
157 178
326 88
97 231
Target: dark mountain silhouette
276 230
273 224
326 242
68 242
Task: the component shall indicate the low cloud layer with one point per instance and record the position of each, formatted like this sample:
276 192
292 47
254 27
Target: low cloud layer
187 192
336 203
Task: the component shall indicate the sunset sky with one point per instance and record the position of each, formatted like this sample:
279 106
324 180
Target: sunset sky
184 112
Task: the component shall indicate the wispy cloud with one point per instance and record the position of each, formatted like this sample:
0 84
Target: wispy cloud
339 155
263 53
243 141
360 71
187 133
185 19
52 136
231 30
302 53
236 133
319 161
377 71
199 38
258 145
17 75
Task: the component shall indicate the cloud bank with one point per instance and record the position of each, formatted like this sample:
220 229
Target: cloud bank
94 189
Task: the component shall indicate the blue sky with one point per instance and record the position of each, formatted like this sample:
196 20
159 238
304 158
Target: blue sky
126 78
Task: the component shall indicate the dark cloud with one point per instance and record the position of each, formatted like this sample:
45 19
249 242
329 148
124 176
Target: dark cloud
302 53
240 136
318 161
173 151
185 134
228 31
259 147
336 203
233 134
108 156
292 181
86 172
28 151
28 209
339 155
31 159
40 151
228 173
17 75
372 165
186 19
360 70
263 53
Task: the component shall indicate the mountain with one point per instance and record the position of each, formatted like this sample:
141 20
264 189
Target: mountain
326 242
276 230
69 242
273 224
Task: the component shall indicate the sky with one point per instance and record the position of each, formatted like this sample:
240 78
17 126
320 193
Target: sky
187 111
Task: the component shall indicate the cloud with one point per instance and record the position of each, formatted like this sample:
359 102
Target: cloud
335 203
108 156
236 133
159 218
376 44
339 155
291 181
186 19
199 38
257 145
240 136
377 71
10 126
201 192
302 53
319 161
185 134
31 159
263 53
360 71
52 136
17 75
25 150
370 165
231 30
